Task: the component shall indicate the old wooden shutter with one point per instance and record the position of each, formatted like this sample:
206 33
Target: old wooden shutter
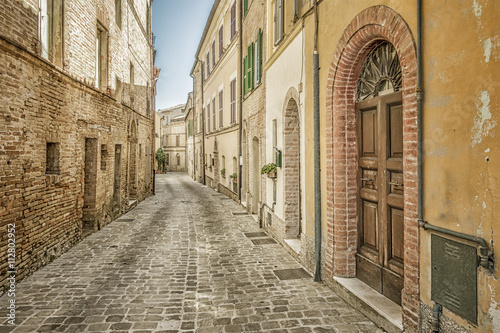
245 7
278 21
250 66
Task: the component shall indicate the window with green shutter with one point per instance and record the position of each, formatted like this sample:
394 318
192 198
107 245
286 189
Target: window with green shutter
245 76
245 7
258 63
250 67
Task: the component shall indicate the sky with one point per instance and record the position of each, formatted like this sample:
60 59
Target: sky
178 26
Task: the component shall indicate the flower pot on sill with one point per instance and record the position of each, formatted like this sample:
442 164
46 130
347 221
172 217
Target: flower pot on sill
235 180
271 175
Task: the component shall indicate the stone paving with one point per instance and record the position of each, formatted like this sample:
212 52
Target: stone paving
179 262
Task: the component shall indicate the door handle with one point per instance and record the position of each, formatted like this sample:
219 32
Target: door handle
396 184
366 179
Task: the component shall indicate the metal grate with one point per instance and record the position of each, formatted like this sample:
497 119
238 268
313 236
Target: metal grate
263 241
255 234
239 213
291 274
125 220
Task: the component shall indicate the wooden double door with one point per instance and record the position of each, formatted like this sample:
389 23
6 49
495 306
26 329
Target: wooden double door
380 252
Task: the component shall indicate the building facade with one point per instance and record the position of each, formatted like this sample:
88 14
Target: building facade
218 58
405 228
174 138
189 132
77 122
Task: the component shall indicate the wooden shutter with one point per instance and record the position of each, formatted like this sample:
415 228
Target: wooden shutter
221 114
202 72
250 66
245 7
258 64
214 113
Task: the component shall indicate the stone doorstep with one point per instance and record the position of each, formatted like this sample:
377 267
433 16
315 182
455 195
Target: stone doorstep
378 308
294 244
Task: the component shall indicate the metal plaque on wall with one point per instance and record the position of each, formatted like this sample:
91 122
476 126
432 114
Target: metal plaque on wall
454 276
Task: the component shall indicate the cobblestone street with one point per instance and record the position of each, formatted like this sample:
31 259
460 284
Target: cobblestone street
179 262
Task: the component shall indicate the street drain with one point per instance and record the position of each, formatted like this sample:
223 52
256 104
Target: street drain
291 274
263 241
239 213
125 220
255 234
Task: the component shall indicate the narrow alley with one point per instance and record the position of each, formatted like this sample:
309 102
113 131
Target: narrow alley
182 261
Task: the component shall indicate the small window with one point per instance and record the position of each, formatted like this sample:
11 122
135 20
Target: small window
52 158
278 21
101 57
221 112
104 156
208 64
118 13
178 160
221 41
213 54
233 20
208 117
214 113
233 101
177 140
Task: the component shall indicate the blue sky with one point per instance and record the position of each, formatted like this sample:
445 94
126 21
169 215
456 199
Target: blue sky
178 26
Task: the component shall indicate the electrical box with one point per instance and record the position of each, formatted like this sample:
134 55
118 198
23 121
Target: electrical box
454 276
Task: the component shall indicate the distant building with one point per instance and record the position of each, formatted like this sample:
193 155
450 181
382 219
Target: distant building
173 136
189 131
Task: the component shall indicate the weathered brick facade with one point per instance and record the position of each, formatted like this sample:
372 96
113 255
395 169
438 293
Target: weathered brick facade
72 156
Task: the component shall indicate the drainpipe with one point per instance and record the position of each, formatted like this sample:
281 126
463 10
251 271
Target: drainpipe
436 310
202 130
240 107
317 152
419 115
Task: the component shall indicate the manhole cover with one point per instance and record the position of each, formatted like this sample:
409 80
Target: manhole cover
125 220
239 213
291 274
255 234
262 241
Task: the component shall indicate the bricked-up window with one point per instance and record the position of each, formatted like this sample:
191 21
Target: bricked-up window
221 41
214 113
178 160
177 140
233 20
278 21
51 30
233 101
208 117
101 57
118 13
213 54
52 158
104 156
221 111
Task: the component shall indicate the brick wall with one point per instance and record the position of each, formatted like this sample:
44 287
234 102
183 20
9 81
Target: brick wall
41 104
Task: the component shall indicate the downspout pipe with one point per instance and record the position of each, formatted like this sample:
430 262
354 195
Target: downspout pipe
240 103
420 181
436 310
317 152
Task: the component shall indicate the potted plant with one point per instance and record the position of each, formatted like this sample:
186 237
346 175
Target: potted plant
234 177
270 169
223 173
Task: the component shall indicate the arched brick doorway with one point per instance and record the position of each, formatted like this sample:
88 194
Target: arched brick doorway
373 25
291 167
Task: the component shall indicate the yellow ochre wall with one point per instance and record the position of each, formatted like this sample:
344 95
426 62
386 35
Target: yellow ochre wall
461 82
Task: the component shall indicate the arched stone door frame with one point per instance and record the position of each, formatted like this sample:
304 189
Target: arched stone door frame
374 24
